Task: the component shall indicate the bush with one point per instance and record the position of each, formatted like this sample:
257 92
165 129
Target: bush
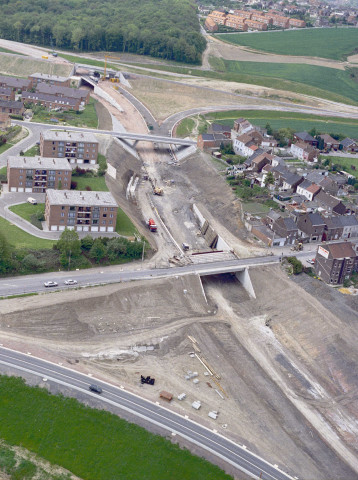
73 185
297 266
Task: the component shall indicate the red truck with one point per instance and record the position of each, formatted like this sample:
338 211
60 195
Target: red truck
152 225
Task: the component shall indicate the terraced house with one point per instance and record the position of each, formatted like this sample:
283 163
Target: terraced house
80 211
36 174
52 101
77 147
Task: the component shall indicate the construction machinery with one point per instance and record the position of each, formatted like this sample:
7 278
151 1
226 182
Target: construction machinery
148 380
105 65
298 247
152 225
158 191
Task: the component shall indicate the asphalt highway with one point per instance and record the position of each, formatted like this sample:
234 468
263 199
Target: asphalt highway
35 283
216 444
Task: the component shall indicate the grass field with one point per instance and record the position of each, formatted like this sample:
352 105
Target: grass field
297 121
20 239
312 80
95 183
92 444
25 210
5 50
346 163
333 43
86 118
33 151
124 225
185 127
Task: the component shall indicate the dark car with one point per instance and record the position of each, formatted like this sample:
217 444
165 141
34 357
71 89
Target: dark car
95 388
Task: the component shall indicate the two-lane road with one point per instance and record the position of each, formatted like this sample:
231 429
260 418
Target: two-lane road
232 453
106 275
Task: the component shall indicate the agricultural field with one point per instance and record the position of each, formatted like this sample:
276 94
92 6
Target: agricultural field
296 121
23 66
53 427
332 43
330 83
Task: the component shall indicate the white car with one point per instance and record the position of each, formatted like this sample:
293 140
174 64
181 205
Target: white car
312 262
70 282
51 284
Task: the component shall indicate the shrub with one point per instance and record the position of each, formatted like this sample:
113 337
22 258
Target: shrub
297 266
73 185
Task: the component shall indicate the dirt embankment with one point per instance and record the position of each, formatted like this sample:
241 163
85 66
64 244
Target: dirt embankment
275 387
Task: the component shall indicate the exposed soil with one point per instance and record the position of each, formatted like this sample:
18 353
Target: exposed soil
118 332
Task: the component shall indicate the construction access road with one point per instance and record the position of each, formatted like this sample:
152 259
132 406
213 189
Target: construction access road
234 454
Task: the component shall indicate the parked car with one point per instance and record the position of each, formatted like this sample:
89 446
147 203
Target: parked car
70 282
32 200
51 284
312 261
95 388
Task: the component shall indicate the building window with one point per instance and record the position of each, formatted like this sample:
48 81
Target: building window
20 183
21 170
20 177
62 214
111 222
62 208
103 222
104 215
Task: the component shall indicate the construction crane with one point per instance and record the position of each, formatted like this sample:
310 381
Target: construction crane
105 64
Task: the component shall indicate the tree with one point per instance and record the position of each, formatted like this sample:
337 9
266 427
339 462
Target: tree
98 250
320 145
297 266
269 129
269 179
87 242
69 245
5 255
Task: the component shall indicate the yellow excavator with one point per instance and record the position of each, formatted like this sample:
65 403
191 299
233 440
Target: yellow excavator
158 191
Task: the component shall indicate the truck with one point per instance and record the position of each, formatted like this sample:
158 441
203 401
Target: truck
152 225
158 191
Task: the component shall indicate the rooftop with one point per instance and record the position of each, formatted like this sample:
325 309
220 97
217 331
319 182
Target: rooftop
304 136
39 162
59 90
340 250
77 198
70 136
50 98
11 104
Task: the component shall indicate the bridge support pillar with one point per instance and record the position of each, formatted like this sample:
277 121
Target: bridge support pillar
245 280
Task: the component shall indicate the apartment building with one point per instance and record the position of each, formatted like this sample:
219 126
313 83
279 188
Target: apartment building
52 101
77 147
36 174
254 25
37 78
81 211
218 17
296 23
279 21
11 107
260 17
235 22
79 93
243 13
210 25
14 83
7 93
335 262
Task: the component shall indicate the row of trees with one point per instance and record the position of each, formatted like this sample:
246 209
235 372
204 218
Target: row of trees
167 29
68 253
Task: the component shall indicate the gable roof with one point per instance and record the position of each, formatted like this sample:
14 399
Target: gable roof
347 142
348 221
305 184
316 219
313 188
340 250
328 139
292 178
304 136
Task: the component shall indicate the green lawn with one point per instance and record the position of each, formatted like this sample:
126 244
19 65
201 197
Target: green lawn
3 171
124 225
95 183
330 83
92 444
25 210
86 118
346 163
297 121
34 151
20 239
185 127
334 43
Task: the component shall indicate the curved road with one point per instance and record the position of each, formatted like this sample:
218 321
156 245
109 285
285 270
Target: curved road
232 453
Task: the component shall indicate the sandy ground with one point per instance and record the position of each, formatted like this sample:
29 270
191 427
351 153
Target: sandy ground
118 332
224 50
31 50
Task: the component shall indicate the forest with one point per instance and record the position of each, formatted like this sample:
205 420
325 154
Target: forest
167 29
